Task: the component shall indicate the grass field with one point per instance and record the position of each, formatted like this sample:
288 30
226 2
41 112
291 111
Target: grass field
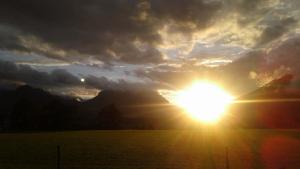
274 149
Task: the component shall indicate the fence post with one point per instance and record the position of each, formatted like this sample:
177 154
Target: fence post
58 157
227 159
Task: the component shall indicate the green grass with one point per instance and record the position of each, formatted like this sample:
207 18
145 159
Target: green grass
163 149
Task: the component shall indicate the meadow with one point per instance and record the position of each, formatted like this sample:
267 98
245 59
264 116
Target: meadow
148 149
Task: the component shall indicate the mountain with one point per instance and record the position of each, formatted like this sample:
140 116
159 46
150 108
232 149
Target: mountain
125 99
275 105
28 108
138 109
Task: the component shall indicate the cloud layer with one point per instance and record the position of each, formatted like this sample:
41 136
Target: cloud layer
24 74
170 41
120 30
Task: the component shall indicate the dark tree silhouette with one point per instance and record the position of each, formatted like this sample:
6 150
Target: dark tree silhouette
20 116
109 117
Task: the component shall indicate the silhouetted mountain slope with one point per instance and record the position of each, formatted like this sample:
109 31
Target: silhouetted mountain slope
124 99
277 89
275 105
28 108
138 109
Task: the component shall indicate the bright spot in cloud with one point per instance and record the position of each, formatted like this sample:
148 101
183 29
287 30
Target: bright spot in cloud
204 101
82 80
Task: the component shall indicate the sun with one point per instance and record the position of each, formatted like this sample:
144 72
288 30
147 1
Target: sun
204 101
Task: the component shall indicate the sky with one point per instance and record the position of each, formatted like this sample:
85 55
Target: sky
160 45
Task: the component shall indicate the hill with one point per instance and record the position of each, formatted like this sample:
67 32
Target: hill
275 105
28 108
131 109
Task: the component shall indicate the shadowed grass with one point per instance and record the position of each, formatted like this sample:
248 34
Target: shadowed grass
164 149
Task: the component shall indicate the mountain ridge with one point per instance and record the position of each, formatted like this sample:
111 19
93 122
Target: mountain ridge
275 105
138 110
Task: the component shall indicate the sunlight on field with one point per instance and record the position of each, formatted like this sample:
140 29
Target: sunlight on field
247 149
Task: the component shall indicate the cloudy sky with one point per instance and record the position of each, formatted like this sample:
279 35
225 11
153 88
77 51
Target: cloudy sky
147 44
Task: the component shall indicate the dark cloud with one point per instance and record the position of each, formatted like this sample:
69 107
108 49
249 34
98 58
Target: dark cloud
254 69
249 11
235 76
284 54
258 68
258 22
174 78
9 39
184 12
96 33
239 76
246 7
276 30
23 74
12 74
120 84
120 30
127 30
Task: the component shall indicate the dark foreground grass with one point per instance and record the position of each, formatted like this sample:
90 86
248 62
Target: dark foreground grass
195 149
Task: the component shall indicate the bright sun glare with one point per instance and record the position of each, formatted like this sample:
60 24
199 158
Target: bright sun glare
204 101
